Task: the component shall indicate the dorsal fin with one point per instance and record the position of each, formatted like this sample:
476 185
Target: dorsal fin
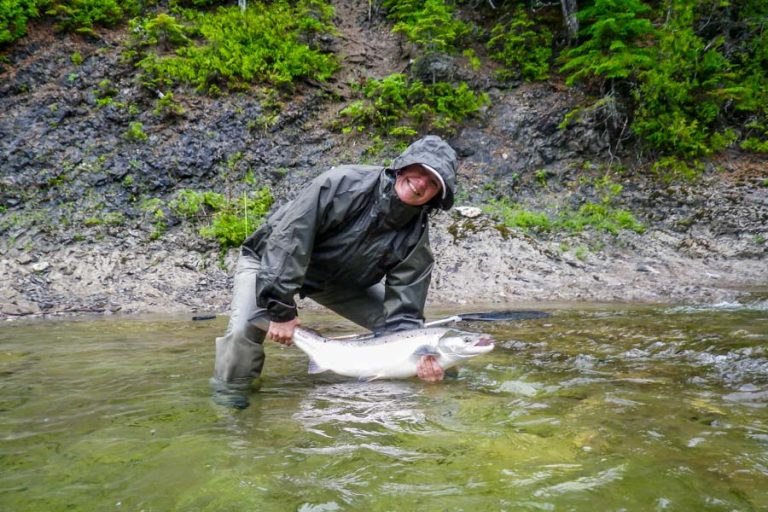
311 332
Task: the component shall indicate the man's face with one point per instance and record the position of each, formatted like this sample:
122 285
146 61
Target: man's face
416 186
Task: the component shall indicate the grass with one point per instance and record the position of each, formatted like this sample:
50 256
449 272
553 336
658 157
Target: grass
598 216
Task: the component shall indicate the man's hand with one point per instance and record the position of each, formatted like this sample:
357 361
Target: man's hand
428 370
282 332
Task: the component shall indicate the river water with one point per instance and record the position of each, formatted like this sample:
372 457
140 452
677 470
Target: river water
596 408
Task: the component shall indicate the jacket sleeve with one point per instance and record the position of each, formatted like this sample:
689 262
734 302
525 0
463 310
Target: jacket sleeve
406 287
289 247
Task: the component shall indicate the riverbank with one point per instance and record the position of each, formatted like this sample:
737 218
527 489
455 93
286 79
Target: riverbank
476 263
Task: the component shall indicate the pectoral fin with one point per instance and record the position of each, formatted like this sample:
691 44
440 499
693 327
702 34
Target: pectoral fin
315 368
426 350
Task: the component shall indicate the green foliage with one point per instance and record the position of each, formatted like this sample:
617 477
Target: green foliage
163 30
105 90
672 168
515 216
615 37
76 58
14 15
581 252
429 24
154 209
522 46
191 204
82 15
749 59
474 61
681 96
268 43
135 132
755 144
167 106
108 219
601 216
228 222
401 106
689 87
233 222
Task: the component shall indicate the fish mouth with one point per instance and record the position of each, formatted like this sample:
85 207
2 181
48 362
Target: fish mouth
483 345
484 341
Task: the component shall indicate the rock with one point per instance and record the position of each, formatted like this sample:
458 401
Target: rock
469 212
41 266
26 258
19 307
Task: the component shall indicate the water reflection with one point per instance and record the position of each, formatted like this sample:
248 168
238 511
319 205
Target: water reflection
362 409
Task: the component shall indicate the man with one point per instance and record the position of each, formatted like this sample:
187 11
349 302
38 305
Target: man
354 240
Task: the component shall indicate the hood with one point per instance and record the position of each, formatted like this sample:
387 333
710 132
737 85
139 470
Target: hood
440 156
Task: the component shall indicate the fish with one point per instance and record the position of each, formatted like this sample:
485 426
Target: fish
390 356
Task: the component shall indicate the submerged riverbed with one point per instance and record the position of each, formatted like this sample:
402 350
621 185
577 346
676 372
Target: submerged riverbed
590 409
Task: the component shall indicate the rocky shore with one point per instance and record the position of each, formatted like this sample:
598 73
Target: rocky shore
476 264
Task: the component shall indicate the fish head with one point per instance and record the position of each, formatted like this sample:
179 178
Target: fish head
465 344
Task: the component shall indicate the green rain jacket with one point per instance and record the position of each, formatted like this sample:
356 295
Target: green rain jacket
348 228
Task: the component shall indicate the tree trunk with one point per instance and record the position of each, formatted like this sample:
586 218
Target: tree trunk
569 16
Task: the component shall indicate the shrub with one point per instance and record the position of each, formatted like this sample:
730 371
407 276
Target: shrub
82 15
681 96
163 30
398 105
615 42
672 168
522 47
268 43
191 204
429 24
233 222
14 15
228 222
135 132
